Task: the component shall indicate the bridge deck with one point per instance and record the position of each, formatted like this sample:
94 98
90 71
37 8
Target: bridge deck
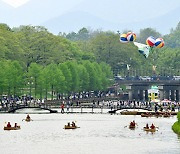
12 110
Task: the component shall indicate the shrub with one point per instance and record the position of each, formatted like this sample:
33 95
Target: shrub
176 127
178 117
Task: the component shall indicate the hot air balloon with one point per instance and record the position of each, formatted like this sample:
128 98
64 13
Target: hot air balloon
159 43
150 41
123 38
131 36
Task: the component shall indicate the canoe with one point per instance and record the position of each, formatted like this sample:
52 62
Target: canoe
145 115
166 116
70 127
156 115
129 113
150 130
12 128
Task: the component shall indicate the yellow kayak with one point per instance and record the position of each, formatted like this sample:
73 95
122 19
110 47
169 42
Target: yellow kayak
12 128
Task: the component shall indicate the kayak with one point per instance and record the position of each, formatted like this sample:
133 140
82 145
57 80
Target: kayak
70 127
149 129
12 128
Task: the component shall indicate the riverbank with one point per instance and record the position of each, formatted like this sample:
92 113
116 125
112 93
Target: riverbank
176 125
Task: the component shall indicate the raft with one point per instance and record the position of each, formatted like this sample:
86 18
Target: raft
12 128
149 129
70 127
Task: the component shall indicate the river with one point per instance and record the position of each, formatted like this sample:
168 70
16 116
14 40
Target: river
98 133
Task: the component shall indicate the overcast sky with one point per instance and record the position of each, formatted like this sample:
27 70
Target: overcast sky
20 12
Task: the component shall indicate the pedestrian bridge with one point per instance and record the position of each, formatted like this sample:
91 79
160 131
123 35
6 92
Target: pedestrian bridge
12 110
131 107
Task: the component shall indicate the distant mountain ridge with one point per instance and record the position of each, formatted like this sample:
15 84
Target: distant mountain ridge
76 20
70 15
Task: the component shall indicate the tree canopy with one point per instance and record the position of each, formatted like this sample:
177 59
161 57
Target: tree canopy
76 62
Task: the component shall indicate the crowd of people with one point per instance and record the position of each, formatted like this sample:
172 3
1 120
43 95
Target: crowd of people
10 102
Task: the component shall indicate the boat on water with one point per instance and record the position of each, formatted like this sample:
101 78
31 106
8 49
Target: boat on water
149 129
129 113
132 127
166 115
12 128
70 127
28 120
146 115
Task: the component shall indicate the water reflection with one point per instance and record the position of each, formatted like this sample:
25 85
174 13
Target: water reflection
98 133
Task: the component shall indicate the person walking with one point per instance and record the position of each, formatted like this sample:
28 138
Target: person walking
62 108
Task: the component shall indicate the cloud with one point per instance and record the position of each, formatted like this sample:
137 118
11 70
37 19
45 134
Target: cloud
15 3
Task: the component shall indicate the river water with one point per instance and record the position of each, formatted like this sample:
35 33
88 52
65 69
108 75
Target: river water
98 133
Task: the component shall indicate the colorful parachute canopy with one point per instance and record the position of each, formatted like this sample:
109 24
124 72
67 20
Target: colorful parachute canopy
143 49
159 43
150 41
123 38
131 36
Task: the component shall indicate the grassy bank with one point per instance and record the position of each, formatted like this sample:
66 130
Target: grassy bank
176 125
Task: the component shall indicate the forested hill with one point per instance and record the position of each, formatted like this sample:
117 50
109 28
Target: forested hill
107 48
28 44
76 62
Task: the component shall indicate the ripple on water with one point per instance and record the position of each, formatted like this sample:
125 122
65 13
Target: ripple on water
98 133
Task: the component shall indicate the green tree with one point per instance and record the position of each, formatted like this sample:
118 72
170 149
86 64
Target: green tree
145 33
73 67
68 76
84 78
34 73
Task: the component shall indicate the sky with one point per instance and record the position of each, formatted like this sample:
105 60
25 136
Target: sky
106 14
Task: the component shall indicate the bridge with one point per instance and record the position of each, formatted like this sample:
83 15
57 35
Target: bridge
131 107
13 109
138 89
